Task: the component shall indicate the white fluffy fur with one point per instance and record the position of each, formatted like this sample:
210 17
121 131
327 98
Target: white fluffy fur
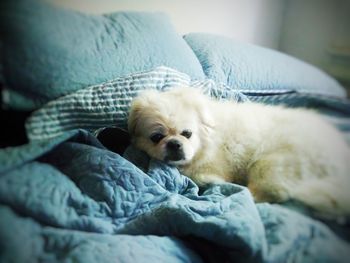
278 153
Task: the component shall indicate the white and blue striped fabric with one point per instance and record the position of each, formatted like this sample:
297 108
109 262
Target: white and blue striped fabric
107 104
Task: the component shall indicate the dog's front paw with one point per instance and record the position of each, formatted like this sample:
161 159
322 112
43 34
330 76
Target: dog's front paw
208 179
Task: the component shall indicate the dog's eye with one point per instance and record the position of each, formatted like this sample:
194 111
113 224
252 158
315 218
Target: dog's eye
157 137
186 133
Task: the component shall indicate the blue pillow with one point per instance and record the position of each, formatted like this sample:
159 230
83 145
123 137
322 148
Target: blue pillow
255 69
49 51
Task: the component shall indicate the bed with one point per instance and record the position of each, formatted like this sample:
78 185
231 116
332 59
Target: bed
73 189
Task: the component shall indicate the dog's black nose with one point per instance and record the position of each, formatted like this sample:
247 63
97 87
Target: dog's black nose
174 151
174 145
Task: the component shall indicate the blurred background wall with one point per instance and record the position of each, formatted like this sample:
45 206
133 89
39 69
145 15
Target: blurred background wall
316 31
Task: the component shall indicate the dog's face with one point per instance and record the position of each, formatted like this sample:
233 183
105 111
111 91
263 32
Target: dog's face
170 126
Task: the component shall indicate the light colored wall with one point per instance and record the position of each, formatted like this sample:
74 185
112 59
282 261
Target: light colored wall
318 32
254 21
312 27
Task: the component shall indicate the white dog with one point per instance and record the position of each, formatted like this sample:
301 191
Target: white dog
278 153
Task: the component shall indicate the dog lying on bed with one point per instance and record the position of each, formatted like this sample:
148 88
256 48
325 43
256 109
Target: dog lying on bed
278 153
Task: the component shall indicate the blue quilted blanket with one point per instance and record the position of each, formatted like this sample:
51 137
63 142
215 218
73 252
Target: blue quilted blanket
69 199
64 197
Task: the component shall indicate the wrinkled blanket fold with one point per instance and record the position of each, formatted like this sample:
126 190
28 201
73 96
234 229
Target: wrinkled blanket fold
71 199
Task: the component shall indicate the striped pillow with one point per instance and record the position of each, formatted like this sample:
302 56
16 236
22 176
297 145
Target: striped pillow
107 104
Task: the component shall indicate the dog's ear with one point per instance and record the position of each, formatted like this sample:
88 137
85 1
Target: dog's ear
206 118
134 115
137 107
202 105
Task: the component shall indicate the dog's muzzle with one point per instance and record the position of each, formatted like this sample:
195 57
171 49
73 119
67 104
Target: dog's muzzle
174 151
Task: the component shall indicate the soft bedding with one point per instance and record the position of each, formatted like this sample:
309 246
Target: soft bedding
106 105
75 200
65 197
257 69
48 51
83 203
